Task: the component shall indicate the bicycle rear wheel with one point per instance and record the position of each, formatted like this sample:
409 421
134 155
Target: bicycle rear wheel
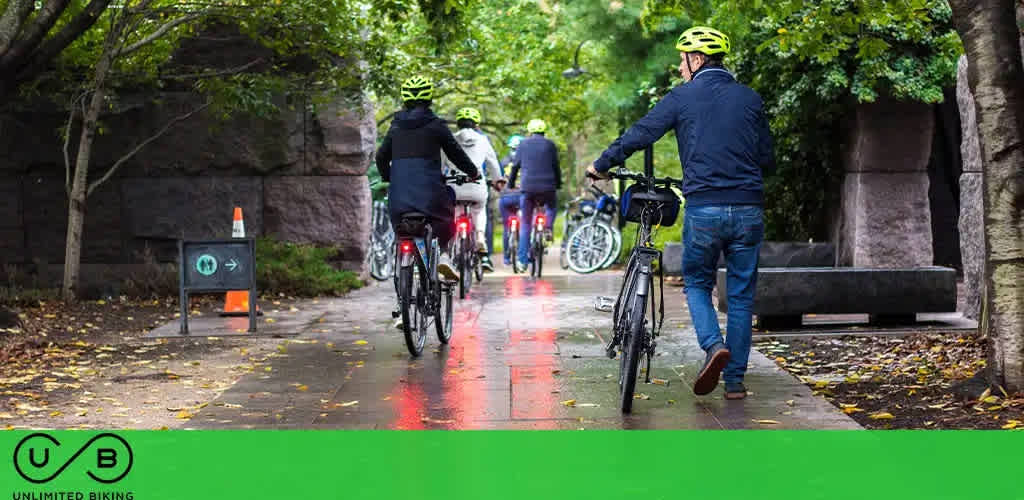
460 257
414 337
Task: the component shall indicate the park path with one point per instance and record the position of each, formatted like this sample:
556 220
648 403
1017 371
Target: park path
526 354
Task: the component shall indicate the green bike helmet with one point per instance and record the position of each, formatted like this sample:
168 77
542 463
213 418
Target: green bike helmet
471 114
536 126
513 142
417 88
703 39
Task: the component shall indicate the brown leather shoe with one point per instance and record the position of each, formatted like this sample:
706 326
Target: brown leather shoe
717 358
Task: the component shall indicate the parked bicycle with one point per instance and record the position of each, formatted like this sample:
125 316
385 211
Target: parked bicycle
591 241
381 254
466 256
649 202
423 298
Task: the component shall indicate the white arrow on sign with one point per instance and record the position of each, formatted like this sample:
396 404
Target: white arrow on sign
231 265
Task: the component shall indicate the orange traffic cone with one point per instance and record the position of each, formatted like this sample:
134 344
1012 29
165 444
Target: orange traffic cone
236 302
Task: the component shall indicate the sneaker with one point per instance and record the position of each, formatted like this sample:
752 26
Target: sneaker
485 263
735 390
549 234
706 382
507 261
445 269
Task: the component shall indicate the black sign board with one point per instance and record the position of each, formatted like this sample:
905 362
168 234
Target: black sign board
217 266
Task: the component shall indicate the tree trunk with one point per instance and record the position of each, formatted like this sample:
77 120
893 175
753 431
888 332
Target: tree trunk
995 74
80 181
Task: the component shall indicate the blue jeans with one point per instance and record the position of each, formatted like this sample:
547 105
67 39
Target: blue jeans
526 202
507 205
736 231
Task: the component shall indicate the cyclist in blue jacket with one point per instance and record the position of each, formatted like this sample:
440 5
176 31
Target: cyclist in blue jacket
724 145
410 159
537 159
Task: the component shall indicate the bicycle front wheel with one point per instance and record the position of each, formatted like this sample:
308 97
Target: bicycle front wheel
590 245
460 257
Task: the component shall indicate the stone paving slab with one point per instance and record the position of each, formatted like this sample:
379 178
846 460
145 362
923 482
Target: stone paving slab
527 354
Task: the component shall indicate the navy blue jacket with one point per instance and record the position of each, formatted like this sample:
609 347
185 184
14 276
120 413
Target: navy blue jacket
537 158
722 134
410 159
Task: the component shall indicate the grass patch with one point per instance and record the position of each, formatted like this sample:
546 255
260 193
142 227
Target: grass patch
301 270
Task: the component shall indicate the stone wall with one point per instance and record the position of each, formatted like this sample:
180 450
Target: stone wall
885 218
299 176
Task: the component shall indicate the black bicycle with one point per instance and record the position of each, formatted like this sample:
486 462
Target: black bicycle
538 238
466 257
427 299
649 202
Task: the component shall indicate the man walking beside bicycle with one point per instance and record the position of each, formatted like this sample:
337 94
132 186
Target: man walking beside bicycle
537 160
724 143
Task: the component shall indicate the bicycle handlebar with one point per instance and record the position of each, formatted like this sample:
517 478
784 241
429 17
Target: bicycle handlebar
624 174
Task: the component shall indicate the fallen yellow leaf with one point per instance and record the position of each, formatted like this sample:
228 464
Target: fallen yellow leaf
55 413
184 415
350 403
360 342
882 416
766 422
569 402
303 388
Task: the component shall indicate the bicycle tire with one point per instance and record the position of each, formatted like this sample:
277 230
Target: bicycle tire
586 253
478 270
567 229
445 313
462 269
540 255
628 371
382 266
513 252
616 247
410 312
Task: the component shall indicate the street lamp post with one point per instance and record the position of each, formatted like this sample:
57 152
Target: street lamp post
575 70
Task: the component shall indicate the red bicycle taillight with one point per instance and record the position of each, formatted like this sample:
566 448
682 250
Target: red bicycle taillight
463 225
406 247
513 222
540 221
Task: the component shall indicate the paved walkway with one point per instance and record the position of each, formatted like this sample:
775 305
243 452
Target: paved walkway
522 350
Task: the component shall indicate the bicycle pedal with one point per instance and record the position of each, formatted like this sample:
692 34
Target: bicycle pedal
610 353
395 314
604 304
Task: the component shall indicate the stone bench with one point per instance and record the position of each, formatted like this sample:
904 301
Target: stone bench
888 296
773 254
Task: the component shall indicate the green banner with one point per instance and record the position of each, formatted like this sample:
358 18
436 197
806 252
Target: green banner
130 465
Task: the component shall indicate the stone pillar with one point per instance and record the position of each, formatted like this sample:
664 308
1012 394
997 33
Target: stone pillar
972 216
886 219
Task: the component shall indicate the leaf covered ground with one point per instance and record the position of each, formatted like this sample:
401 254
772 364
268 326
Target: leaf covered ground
88 365
924 381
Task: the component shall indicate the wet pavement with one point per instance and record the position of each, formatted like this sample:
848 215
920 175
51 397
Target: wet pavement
526 354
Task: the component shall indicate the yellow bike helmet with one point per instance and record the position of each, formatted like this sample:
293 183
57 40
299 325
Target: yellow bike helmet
417 88
703 39
536 126
472 114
